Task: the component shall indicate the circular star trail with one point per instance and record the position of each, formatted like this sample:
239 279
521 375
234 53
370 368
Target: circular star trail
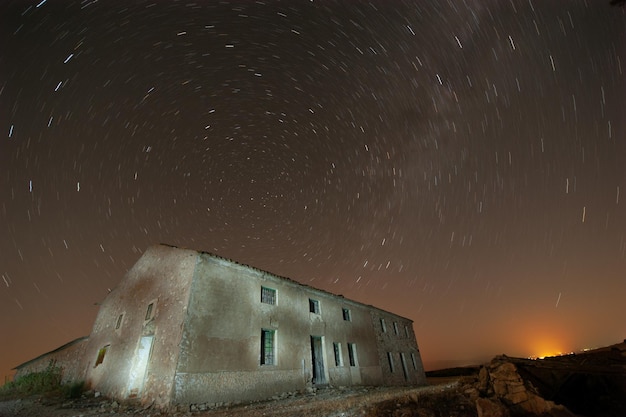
458 163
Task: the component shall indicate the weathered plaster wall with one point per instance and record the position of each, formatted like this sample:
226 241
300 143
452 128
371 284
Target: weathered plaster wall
162 277
220 358
396 337
66 357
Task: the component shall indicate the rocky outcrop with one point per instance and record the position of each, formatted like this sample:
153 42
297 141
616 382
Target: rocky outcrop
500 391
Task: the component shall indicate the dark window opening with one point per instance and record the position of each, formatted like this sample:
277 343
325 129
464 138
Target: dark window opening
414 361
390 360
268 295
338 358
346 314
149 311
119 322
352 354
314 306
406 331
395 328
267 347
101 354
383 325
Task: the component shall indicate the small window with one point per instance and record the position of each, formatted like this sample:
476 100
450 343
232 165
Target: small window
390 360
383 325
101 354
149 311
314 306
268 295
337 350
118 324
346 314
405 371
395 328
414 360
406 332
268 347
352 354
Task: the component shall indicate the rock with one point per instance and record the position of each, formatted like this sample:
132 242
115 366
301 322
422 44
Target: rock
488 408
96 394
483 380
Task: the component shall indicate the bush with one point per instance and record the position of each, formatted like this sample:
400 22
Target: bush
73 390
34 383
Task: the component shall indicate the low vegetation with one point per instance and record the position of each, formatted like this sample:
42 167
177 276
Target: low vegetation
46 382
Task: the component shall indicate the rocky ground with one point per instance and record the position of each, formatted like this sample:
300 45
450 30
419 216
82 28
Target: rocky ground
348 402
591 384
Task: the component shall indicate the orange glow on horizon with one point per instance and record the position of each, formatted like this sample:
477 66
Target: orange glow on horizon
543 347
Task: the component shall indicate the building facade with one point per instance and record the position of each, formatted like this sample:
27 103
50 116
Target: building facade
187 327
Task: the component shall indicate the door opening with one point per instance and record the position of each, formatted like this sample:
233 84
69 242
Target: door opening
137 375
319 377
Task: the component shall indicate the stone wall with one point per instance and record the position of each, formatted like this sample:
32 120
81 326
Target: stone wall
398 353
66 357
160 278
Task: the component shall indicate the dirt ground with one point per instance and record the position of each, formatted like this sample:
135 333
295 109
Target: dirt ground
335 402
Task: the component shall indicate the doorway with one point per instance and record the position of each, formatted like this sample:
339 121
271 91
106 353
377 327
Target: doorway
140 364
319 377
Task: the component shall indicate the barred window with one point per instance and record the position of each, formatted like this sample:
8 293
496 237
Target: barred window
268 295
268 347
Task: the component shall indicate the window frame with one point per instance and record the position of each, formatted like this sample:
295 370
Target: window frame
352 358
268 295
390 362
338 353
314 306
149 311
120 320
268 347
346 313
101 354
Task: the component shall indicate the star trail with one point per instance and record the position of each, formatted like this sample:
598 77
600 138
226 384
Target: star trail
461 163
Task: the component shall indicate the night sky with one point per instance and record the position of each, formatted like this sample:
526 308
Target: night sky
460 163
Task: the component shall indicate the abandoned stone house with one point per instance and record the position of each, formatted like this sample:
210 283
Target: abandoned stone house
187 327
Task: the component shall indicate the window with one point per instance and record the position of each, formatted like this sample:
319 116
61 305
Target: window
395 328
268 347
346 314
268 295
314 306
405 371
118 324
338 358
414 361
101 354
390 360
352 354
406 332
149 311
383 325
